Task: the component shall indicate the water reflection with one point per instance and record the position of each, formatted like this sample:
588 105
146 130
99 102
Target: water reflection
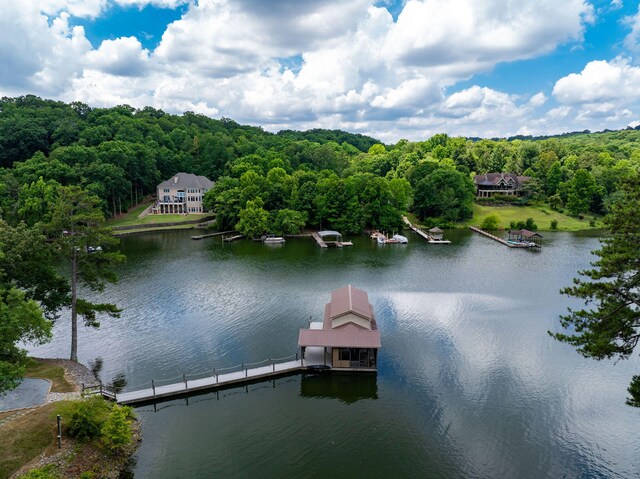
469 383
345 387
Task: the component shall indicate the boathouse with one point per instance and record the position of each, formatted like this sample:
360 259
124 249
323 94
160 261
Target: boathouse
348 334
526 236
436 233
331 238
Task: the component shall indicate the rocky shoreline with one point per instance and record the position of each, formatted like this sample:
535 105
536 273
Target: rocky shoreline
75 373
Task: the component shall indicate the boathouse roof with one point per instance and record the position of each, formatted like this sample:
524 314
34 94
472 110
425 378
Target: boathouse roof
349 299
329 233
435 230
349 322
525 233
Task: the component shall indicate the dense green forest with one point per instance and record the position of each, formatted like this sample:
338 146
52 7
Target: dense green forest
284 181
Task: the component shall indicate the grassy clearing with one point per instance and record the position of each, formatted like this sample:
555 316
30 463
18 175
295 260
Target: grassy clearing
130 215
542 215
131 218
152 228
52 372
25 437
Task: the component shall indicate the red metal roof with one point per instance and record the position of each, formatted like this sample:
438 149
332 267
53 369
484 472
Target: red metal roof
350 300
346 337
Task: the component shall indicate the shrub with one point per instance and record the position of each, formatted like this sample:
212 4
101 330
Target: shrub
530 224
86 418
491 222
116 432
45 472
554 224
592 223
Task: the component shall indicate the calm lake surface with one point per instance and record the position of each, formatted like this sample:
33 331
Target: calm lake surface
469 382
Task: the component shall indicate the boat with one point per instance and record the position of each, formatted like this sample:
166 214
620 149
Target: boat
382 239
272 239
401 239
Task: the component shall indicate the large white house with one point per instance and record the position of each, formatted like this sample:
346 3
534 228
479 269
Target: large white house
182 194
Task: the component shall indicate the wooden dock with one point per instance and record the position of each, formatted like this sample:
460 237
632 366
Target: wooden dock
495 238
423 234
216 379
229 239
209 235
319 240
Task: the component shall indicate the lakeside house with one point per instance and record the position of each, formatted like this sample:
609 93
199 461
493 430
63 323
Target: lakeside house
490 184
349 333
181 194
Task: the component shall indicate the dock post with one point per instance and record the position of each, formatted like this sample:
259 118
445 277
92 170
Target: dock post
274 365
184 378
100 387
216 378
153 386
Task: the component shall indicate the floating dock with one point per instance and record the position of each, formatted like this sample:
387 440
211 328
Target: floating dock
229 239
495 238
209 235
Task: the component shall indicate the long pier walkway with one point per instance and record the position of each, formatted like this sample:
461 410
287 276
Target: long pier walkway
495 238
215 379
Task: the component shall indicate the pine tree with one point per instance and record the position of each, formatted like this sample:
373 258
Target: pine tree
77 227
611 327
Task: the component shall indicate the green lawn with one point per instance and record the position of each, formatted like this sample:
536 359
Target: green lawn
52 372
131 218
152 228
542 215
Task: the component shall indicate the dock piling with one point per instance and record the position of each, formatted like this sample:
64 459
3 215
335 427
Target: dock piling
153 386
184 378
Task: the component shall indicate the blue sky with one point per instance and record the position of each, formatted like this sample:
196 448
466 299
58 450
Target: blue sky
388 68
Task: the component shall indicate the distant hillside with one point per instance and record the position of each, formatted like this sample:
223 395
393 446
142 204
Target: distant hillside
361 142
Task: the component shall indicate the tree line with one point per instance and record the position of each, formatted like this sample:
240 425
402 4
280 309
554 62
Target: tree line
65 167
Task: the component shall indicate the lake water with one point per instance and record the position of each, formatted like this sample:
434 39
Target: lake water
469 382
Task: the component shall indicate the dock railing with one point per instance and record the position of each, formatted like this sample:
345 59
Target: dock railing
249 370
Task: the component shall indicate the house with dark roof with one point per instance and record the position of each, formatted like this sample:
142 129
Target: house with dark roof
349 333
491 184
182 194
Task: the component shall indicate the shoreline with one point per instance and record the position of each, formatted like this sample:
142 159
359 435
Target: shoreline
74 457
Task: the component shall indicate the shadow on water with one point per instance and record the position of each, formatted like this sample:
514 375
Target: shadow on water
345 387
